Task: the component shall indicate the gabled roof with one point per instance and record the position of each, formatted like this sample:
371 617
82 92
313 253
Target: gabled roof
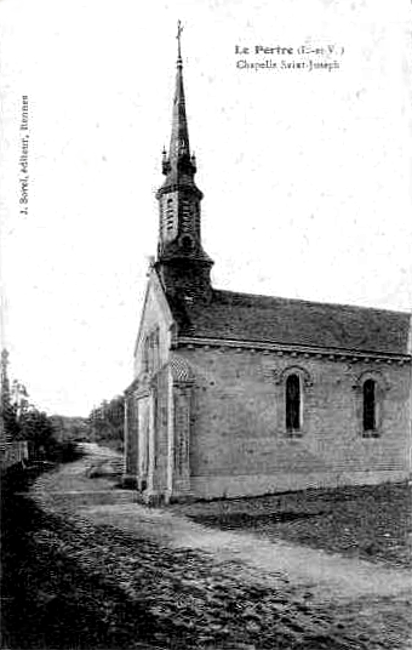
263 319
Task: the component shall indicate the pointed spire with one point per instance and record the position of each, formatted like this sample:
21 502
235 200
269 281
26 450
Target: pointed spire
179 150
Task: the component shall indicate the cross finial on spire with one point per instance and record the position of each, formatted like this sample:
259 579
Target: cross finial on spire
179 33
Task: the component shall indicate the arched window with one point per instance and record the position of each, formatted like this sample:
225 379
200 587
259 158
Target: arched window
369 405
293 404
187 243
146 354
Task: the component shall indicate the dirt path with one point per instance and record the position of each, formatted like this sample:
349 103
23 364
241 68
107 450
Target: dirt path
330 575
334 601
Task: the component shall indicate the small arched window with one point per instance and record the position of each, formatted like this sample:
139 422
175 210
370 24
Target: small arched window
293 404
146 354
187 243
369 405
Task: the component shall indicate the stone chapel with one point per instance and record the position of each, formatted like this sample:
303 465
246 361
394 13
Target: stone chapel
237 394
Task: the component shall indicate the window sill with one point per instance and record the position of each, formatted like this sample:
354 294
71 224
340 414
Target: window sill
373 433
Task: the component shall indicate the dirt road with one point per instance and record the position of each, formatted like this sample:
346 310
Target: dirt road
179 584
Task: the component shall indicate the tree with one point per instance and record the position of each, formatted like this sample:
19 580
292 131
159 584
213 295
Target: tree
38 430
8 414
107 422
21 420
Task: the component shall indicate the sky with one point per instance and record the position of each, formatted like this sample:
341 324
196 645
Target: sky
306 173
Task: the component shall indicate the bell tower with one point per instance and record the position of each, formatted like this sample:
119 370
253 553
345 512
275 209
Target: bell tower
182 264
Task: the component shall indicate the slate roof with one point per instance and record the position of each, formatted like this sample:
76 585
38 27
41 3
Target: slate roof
263 319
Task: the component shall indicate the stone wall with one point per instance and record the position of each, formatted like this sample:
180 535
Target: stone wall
240 445
145 398
160 430
13 453
131 443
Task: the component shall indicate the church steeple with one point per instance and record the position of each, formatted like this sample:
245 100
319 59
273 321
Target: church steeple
179 151
182 263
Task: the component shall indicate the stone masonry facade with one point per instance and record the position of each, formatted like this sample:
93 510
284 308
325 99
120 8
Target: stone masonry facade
241 445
